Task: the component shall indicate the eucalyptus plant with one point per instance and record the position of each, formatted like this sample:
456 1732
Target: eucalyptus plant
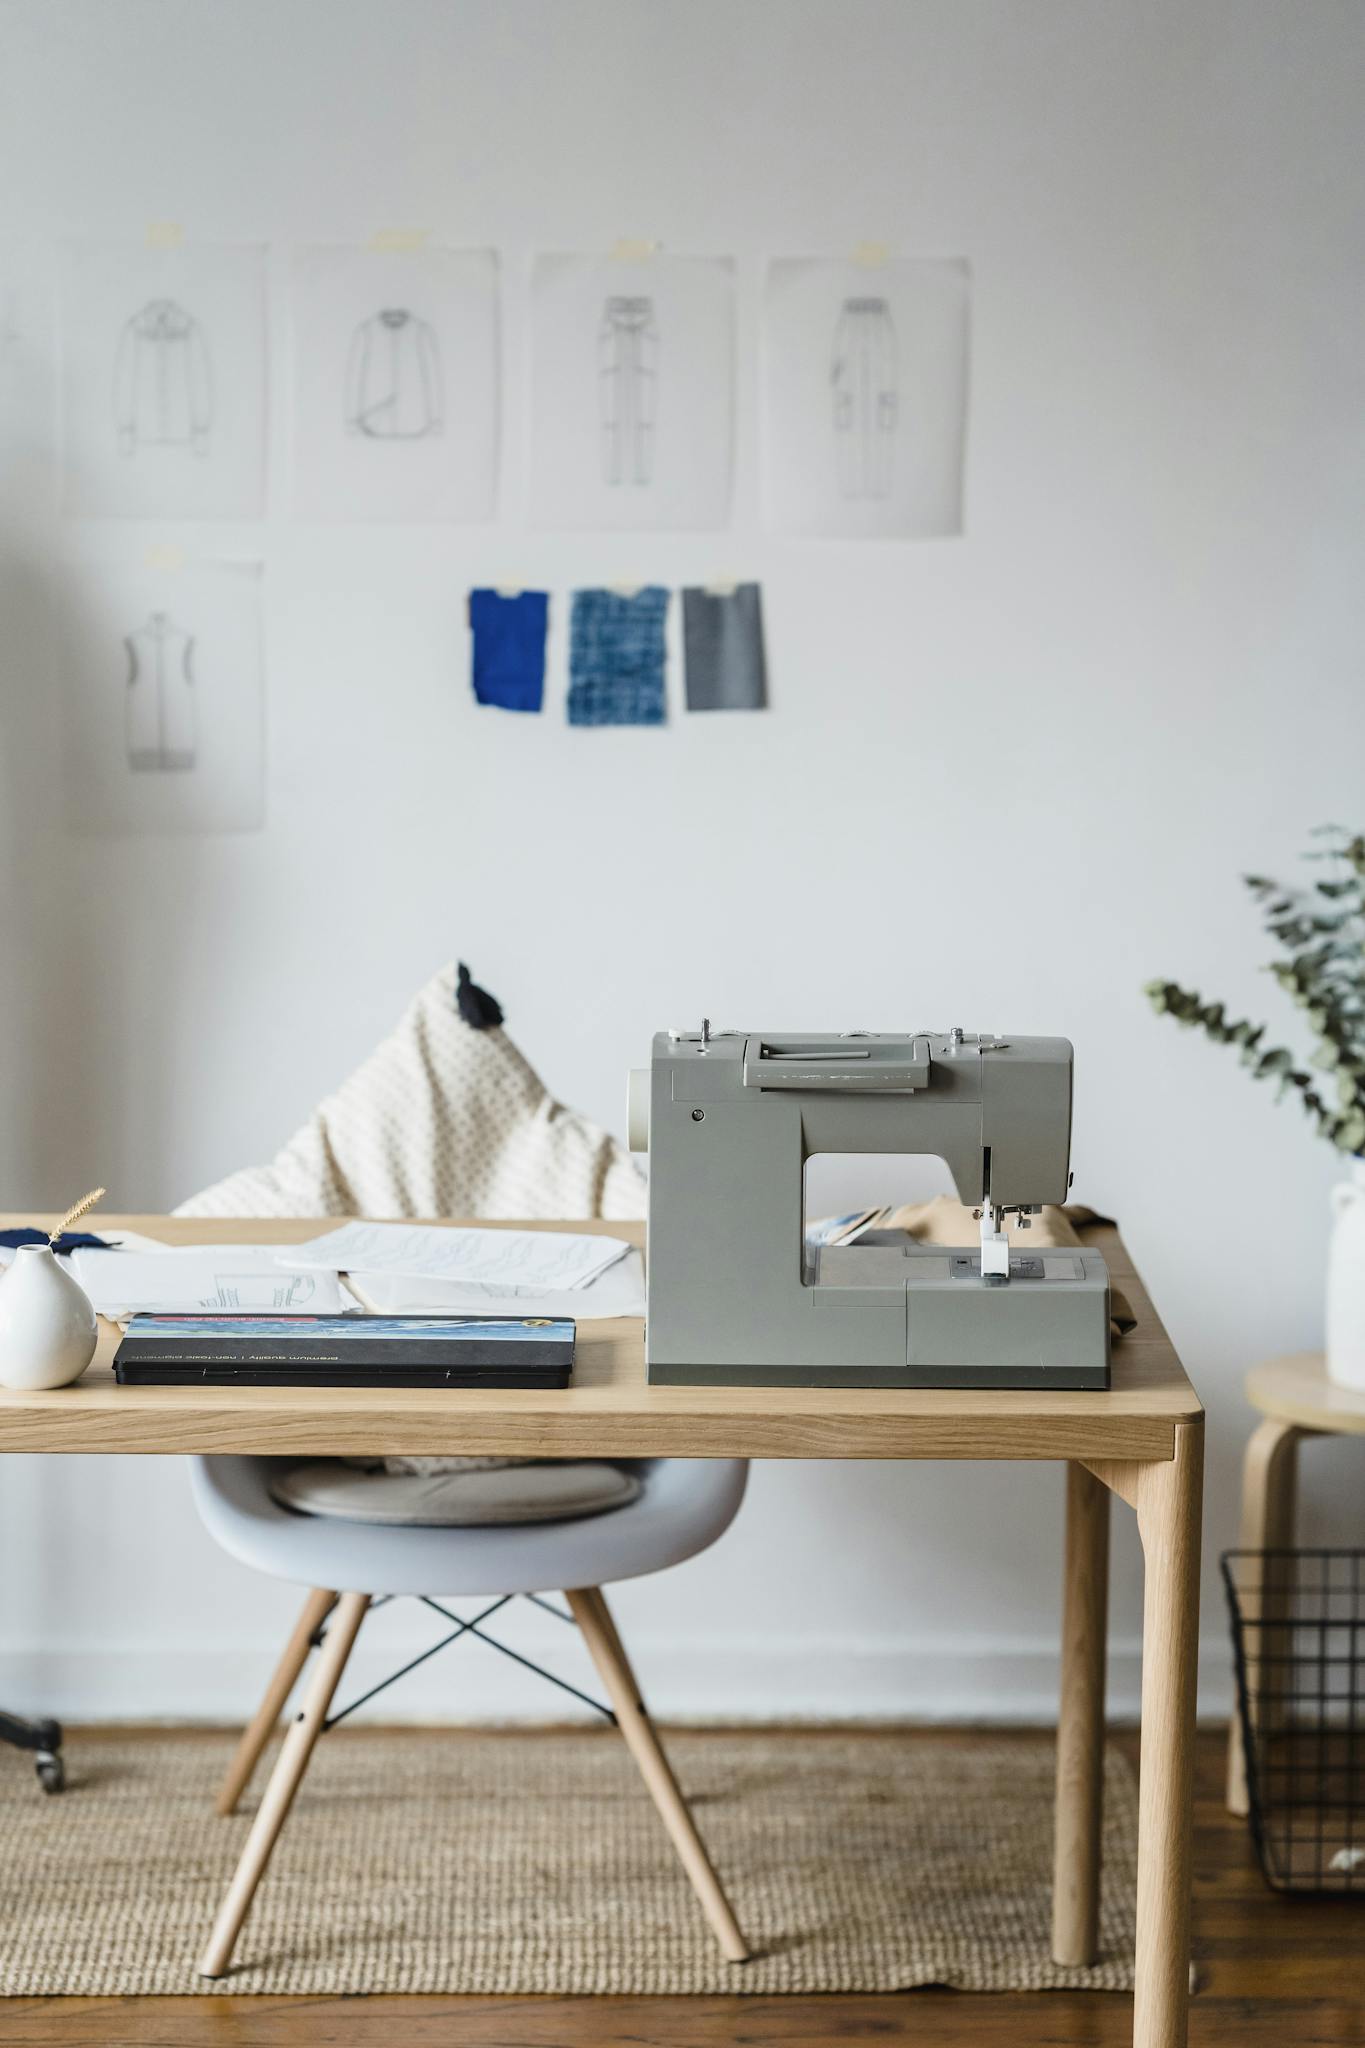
1320 930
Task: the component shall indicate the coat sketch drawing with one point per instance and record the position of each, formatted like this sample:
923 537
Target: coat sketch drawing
627 375
163 381
393 378
864 382
159 707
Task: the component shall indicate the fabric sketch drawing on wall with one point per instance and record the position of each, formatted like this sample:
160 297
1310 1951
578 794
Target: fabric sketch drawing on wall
163 381
393 378
163 679
863 381
864 385
159 710
632 390
627 369
163 375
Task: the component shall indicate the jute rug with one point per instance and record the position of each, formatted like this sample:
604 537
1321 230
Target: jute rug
526 1863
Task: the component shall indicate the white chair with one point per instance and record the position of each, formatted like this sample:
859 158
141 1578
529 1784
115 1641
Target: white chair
683 1505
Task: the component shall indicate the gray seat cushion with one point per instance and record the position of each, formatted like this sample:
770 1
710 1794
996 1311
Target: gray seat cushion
558 1491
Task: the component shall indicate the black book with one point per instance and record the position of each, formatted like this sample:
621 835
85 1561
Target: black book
346 1351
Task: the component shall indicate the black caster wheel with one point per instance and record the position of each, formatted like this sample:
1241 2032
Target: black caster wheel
51 1772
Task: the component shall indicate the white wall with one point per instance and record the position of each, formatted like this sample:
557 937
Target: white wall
1004 780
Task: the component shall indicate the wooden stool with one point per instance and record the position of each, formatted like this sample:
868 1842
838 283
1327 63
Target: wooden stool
1297 1399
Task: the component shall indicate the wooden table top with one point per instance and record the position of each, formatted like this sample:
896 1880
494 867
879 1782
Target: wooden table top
1297 1389
610 1410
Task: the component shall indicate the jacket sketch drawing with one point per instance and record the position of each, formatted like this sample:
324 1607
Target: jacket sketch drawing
627 372
163 381
864 382
159 708
393 378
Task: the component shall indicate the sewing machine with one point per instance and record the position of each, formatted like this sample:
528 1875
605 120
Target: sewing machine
736 1294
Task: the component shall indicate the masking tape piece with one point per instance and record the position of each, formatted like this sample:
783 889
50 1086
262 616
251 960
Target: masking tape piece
398 241
164 234
722 587
628 251
165 555
872 255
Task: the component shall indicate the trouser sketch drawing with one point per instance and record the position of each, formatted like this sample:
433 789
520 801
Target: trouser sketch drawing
627 368
863 379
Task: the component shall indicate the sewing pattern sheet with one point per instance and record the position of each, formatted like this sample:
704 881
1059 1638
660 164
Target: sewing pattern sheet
163 381
865 397
632 391
396 384
163 680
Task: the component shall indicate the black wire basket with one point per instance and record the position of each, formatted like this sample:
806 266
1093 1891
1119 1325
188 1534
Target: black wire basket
1298 1632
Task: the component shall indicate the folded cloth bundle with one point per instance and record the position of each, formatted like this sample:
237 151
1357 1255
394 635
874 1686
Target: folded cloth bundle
944 1221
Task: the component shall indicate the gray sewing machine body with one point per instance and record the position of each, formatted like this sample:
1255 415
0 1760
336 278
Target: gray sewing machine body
735 1294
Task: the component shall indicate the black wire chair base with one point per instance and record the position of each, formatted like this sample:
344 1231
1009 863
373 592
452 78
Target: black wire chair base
44 1738
469 1628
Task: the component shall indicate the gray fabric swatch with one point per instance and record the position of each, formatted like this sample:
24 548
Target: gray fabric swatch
723 650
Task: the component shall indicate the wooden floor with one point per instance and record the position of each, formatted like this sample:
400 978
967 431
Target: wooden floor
1272 1973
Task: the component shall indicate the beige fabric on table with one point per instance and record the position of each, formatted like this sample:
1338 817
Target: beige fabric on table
947 1221
455 1498
440 1120
530 1862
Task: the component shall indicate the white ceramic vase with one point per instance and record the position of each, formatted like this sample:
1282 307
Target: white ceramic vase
1346 1283
47 1326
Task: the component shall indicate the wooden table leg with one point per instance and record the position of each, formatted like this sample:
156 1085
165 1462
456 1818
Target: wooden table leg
1080 1723
1168 1498
1269 1484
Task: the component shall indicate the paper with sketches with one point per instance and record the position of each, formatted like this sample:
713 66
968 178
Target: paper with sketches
620 1291
221 1277
396 383
26 466
539 1259
164 693
632 391
163 380
865 397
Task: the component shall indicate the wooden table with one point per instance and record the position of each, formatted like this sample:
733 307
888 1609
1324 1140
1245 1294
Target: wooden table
1296 1400
1143 1440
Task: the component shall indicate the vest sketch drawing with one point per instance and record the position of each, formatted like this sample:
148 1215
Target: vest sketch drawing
159 707
393 389
163 381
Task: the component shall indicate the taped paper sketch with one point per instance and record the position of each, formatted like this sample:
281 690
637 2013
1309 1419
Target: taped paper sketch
163 376
163 381
393 378
162 674
862 376
632 390
864 388
397 411
159 712
628 370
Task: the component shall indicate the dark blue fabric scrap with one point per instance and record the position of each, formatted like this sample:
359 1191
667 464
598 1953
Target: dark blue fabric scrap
509 647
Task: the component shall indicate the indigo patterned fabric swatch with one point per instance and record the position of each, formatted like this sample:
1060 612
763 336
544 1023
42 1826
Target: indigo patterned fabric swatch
509 647
616 657
723 657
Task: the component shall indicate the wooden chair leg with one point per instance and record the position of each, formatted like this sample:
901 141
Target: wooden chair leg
1269 1481
316 1609
593 1616
299 1742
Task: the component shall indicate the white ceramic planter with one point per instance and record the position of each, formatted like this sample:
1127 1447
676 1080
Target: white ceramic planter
1346 1283
47 1326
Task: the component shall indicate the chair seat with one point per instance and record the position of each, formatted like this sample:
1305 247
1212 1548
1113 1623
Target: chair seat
684 1504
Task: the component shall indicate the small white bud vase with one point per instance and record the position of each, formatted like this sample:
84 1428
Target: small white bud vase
47 1326
1346 1283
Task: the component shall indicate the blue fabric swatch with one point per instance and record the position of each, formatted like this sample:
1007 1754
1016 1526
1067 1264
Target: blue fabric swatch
509 647
616 657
